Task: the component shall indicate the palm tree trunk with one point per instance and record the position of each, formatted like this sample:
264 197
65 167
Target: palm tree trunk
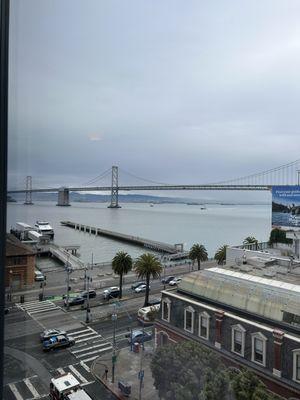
121 283
147 290
198 261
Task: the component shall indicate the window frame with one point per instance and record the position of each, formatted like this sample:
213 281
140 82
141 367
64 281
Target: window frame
296 355
166 301
192 311
242 330
202 315
263 338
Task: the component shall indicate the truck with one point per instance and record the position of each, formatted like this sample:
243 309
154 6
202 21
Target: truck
147 315
67 387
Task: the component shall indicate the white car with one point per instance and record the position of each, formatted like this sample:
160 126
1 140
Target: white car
141 288
175 281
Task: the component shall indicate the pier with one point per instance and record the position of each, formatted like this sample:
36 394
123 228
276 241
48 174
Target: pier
66 255
135 240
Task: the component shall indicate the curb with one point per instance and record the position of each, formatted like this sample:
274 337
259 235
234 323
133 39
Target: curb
107 385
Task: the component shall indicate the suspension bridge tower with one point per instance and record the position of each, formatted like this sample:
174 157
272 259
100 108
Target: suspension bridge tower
114 202
28 193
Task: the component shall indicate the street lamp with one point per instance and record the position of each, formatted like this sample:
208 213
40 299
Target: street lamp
114 318
69 270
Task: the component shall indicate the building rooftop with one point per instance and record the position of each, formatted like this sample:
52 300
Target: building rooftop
270 298
14 247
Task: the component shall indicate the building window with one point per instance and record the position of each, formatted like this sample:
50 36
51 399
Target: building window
166 305
259 348
296 365
204 325
238 339
189 319
163 338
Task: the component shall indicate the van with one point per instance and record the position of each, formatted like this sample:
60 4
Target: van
148 314
38 276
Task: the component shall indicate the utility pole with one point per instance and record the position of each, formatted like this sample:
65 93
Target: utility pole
69 271
87 319
114 357
141 372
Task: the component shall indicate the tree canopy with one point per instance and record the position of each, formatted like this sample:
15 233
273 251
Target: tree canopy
279 236
198 252
121 265
147 266
220 255
189 371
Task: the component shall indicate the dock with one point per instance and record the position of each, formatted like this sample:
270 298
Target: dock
135 240
66 255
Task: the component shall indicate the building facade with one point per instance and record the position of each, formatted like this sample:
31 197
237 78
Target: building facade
19 265
244 320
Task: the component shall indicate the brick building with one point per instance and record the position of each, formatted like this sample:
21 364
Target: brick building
20 264
250 321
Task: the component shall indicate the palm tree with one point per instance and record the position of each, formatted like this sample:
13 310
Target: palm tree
251 240
121 265
198 252
147 265
220 254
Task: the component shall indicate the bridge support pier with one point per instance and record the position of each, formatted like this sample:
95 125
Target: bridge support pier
114 202
63 197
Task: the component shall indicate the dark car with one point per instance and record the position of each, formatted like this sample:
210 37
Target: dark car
153 302
168 279
137 284
92 294
56 342
75 301
139 337
111 292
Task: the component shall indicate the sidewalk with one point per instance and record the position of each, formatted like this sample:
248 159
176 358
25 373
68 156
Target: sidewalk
127 368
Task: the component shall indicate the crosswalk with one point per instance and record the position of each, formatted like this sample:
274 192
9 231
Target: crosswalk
31 388
37 307
89 344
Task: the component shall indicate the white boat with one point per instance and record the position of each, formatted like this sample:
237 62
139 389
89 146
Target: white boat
44 228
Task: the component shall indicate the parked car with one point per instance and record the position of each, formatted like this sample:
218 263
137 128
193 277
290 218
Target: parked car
38 276
153 302
175 281
92 294
141 288
137 284
111 292
56 342
167 279
48 333
139 337
75 301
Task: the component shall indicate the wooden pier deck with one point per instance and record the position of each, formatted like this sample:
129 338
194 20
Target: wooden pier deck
136 240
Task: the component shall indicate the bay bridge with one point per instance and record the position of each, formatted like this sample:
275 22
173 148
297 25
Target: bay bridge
283 175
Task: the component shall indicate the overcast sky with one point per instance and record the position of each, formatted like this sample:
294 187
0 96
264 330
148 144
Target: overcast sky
173 91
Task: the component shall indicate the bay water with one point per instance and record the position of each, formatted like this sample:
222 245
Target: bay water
170 223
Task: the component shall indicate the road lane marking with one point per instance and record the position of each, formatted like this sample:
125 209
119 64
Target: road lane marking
76 332
85 366
94 352
78 374
90 359
89 348
83 335
92 337
15 391
31 388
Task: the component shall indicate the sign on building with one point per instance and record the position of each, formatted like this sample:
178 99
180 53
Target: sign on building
286 207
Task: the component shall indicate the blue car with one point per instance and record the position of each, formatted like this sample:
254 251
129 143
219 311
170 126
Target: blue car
56 342
138 337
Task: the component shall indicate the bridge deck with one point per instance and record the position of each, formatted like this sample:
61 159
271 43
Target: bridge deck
150 244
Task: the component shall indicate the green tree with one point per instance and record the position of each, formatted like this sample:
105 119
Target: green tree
147 266
251 240
189 371
121 265
220 254
247 386
198 252
279 236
